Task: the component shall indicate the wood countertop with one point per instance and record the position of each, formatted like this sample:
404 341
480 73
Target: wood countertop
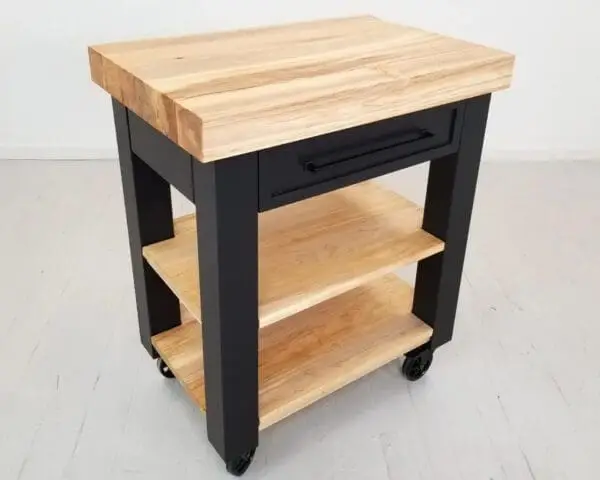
222 94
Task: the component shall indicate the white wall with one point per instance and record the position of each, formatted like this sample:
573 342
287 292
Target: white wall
49 107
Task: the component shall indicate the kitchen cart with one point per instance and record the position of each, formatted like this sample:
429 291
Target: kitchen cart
280 289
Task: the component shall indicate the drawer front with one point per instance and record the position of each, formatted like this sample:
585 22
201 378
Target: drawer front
302 169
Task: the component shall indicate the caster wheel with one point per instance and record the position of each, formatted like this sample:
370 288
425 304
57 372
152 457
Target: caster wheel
239 465
164 369
417 363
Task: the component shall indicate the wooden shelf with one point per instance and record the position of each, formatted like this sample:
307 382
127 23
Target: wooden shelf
315 352
310 251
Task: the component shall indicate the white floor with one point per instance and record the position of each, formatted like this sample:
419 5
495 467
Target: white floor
515 396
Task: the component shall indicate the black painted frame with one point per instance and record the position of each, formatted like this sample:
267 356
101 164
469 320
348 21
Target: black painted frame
149 220
229 195
227 226
448 205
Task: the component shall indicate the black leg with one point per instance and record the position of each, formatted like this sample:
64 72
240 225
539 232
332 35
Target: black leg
226 195
448 206
149 220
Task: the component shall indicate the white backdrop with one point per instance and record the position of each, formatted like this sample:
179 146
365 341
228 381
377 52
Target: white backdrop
50 109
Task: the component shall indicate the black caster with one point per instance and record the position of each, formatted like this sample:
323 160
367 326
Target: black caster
417 363
239 465
164 369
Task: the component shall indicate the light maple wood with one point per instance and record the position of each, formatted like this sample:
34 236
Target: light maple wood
186 316
312 354
310 251
223 94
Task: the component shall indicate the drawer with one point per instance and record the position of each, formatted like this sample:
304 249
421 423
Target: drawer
302 169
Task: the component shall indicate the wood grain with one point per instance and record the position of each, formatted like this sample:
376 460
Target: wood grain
224 94
312 354
310 251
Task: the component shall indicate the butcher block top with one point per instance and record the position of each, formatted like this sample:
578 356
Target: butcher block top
219 95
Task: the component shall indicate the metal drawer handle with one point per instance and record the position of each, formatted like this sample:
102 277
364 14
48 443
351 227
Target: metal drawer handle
407 137
312 167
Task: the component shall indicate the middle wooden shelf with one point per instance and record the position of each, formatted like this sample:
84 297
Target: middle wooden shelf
310 251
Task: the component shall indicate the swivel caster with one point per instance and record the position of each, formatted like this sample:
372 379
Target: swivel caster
239 465
164 369
417 363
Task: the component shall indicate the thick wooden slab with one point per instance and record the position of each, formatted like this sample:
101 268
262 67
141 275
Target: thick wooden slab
310 251
312 354
223 94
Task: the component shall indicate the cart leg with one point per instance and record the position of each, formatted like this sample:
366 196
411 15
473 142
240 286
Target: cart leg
149 220
448 205
226 195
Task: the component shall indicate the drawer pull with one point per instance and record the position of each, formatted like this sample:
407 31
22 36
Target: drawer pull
408 136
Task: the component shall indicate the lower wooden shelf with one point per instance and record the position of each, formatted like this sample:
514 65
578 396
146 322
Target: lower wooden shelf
315 352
